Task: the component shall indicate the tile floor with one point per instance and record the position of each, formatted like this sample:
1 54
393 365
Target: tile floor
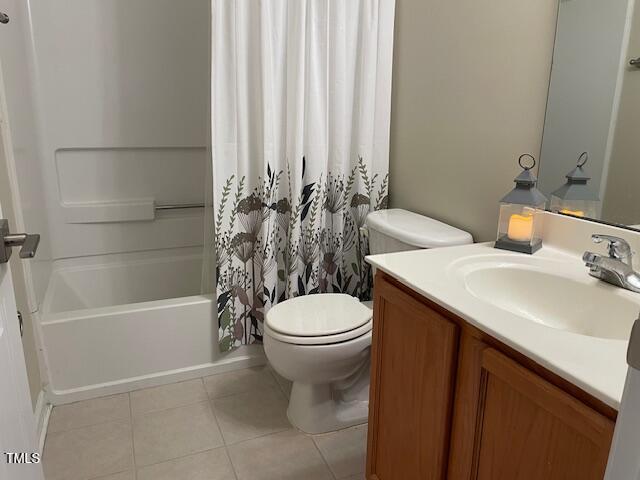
231 426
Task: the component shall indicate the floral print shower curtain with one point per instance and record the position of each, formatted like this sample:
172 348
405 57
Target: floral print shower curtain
300 151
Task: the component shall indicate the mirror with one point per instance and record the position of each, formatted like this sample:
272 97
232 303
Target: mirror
593 110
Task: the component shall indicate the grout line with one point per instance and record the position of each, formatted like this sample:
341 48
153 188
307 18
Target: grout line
158 387
275 388
131 414
278 387
130 419
213 409
175 408
252 390
275 377
190 402
133 443
180 457
290 428
249 390
326 462
53 407
191 454
182 405
215 419
113 420
101 477
233 467
132 447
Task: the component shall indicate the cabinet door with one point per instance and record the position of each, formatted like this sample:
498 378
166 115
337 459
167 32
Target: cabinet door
529 429
413 368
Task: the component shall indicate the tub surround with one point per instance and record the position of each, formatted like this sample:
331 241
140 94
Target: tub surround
596 365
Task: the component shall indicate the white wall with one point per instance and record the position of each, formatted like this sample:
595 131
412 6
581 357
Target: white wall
122 91
584 78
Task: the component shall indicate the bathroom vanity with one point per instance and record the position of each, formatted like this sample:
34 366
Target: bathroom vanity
471 377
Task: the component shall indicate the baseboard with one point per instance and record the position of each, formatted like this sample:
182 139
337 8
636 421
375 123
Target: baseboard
249 357
42 413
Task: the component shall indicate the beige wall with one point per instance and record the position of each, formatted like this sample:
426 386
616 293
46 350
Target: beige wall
469 94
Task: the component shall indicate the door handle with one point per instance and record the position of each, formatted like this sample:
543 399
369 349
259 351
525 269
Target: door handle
27 242
635 62
4 18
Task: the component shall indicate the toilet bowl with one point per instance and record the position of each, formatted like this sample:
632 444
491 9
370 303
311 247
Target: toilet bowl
326 356
322 342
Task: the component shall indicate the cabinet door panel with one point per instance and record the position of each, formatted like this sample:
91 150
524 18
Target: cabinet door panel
529 429
413 369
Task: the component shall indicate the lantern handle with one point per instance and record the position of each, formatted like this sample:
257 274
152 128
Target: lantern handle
582 159
524 155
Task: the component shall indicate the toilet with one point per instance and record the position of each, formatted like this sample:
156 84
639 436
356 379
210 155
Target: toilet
322 343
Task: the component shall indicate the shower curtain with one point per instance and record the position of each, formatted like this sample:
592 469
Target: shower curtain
300 104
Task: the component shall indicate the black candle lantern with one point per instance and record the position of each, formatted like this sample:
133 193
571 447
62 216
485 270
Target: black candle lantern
520 223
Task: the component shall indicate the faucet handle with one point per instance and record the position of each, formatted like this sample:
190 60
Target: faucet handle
617 247
592 260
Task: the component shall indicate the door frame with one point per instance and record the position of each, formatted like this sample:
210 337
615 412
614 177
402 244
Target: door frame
42 408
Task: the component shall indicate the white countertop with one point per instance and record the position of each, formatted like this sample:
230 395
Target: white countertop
596 365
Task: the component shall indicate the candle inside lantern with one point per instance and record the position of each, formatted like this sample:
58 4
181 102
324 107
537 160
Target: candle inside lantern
575 213
520 228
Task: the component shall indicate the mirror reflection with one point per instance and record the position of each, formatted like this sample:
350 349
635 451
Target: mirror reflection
590 158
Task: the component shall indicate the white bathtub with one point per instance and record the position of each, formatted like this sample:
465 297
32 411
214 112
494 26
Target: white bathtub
118 322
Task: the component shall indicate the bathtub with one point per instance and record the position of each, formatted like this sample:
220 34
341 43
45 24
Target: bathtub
118 322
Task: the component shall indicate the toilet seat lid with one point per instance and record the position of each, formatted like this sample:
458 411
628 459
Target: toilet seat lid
318 315
320 340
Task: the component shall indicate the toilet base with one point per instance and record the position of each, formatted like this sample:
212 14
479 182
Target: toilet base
322 408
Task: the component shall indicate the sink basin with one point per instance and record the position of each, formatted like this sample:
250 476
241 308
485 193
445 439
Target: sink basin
582 306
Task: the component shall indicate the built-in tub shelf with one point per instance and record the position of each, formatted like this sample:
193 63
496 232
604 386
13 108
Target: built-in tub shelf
135 210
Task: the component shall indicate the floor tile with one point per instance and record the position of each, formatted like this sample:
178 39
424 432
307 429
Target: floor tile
88 452
239 381
283 456
354 477
89 412
174 433
210 465
252 414
345 450
118 476
167 396
285 385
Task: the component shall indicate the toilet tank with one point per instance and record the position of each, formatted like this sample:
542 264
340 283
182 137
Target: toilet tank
397 230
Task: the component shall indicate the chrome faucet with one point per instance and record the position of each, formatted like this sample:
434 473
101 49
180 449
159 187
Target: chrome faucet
616 268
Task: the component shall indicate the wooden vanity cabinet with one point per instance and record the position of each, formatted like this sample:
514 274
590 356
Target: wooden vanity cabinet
449 402
526 428
414 354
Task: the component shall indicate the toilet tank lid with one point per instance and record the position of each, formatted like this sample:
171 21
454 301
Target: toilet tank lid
416 230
